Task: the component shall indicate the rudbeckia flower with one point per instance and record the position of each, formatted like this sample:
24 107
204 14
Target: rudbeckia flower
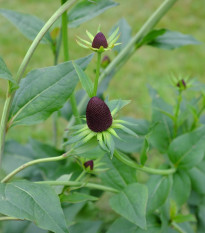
99 43
100 123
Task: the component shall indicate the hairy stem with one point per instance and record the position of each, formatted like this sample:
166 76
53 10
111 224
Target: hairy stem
36 161
124 159
130 48
79 184
97 74
22 68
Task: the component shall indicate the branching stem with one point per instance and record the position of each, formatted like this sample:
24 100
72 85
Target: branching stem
79 184
124 159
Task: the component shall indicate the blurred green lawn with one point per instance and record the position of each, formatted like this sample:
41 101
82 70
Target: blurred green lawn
148 65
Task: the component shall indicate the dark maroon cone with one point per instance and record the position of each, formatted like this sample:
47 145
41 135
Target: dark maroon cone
89 164
99 40
181 83
98 115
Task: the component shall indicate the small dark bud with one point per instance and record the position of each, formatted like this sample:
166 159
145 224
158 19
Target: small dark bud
105 61
99 40
98 115
181 83
89 164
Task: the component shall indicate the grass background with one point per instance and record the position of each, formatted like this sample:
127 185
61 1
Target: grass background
148 65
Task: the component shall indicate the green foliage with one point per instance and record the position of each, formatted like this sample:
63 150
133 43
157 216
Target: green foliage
187 150
86 10
118 174
158 191
166 39
33 202
169 199
4 72
28 25
52 87
131 203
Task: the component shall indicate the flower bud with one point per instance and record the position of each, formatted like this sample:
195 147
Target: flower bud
99 40
89 164
98 115
105 61
181 84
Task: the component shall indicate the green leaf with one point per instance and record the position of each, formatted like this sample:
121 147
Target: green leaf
21 227
172 40
43 92
118 174
158 189
28 25
4 72
116 105
86 226
121 225
76 197
197 176
184 218
181 187
30 201
86 82
125 34
129 143
187 150
131 204
162 133
143 154
151 36
85 10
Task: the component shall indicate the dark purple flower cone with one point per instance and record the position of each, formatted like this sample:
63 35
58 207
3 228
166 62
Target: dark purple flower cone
98 115
89 164
99 40
181 83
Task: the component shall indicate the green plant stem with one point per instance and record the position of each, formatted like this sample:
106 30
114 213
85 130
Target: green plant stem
80 176
3 124
80 184
55 128
177 228
66 58
130 48
97 74
176 115
124 159
7 218
22 68
36 161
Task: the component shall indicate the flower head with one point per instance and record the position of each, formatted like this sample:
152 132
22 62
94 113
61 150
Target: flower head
99 43
98 115
101 124
89 163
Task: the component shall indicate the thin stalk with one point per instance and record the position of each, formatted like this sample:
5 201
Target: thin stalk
7 218
80 184
22 68
176 115
97 74
80 176
133 164
66 58
130 47
36 161
177 228
3 124
55 128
